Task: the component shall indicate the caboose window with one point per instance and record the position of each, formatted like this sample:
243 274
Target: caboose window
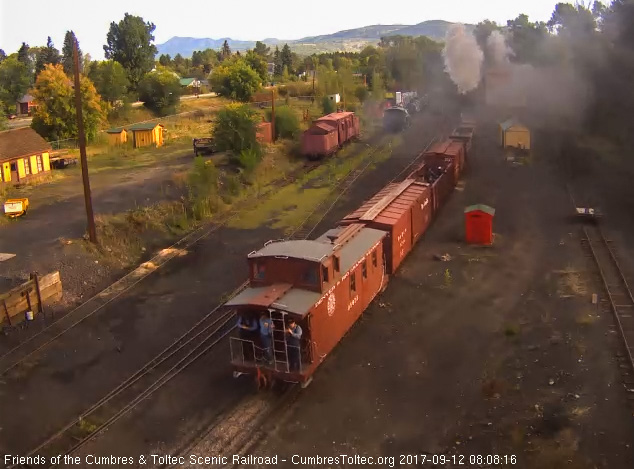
324 273
259 271
353 284
336 259
364 269
374 258
310 276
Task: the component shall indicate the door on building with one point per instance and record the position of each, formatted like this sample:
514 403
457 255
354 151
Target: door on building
14 171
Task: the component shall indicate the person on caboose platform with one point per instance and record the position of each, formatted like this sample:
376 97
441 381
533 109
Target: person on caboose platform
293 341
266 333
247 327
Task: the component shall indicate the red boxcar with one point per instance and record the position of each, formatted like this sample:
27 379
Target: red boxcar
324 285
463 134
448 148
329 133
440 176
403 211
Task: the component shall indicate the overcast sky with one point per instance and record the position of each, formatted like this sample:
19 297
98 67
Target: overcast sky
32 21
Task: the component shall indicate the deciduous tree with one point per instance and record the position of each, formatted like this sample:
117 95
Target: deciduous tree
234 128
261 49
55 115
129 42
235 80
15 80
160 91
110 80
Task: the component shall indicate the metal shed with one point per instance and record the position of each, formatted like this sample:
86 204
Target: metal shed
479 224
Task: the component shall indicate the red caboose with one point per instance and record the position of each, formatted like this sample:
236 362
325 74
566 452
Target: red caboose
403 211
324 285
328 133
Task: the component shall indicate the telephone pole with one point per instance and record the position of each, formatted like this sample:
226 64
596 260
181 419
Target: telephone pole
273 114
92 232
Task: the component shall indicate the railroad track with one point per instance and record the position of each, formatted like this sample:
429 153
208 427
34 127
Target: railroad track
618 299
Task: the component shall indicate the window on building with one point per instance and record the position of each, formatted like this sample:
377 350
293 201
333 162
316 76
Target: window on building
324 273
40 168
353 284
374 258
259 271
27 167
310 276
336 263
364 269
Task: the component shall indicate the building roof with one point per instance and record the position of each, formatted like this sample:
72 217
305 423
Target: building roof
27 98
298 249
115 130
512 122
145 126
18 143
480 207
187 81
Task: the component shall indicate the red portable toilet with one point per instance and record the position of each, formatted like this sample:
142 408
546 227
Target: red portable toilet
479 224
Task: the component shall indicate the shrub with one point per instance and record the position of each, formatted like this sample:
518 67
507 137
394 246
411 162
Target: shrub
286 122
202 187
248 160
235 129
361 92
328 105
160 91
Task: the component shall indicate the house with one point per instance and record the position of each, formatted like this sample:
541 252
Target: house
117 136
513 134
147 134
24 155
189 82
25 104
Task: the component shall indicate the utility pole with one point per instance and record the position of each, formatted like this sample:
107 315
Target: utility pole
92 232
273 114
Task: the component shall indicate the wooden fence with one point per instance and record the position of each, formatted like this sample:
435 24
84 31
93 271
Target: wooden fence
30 296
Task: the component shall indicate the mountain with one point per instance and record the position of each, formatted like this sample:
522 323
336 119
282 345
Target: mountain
347 40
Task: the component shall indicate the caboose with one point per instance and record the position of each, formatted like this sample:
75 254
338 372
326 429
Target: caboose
324 285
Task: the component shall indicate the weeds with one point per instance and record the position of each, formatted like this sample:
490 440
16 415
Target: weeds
511 330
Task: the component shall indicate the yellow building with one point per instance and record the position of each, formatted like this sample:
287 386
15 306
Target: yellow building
514 134
147 134
117 136
24 155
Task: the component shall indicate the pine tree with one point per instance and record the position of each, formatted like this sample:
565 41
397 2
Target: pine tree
3 55
226 50
46 55
278 69
286 58
23 55
67 53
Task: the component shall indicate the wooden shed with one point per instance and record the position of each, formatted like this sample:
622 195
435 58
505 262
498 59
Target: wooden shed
24 154
147 134
117 136
479 224
514 134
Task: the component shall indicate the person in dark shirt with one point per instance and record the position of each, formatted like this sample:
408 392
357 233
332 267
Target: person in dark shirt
266 335
246 328
293 341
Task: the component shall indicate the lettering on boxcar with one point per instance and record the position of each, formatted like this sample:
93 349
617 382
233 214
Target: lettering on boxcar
424 204
353 302
331 304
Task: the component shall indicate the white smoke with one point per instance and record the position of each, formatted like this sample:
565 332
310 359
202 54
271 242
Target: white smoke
463 58
498 49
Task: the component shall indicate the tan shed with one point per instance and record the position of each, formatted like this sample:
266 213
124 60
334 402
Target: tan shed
117 136
147 134
513 134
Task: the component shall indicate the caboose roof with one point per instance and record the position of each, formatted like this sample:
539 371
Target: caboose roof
298 249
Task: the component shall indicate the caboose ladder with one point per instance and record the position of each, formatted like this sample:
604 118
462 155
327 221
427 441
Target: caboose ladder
280 355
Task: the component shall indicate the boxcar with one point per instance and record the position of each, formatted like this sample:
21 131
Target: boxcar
324 285
447 149
463 134
329 133
441 178
403 211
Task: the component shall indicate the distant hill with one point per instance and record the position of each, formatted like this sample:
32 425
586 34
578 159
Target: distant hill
347 40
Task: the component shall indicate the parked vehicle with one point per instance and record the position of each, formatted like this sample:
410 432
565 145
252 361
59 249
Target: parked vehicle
14 208
329 133
203 145
396 119
324 285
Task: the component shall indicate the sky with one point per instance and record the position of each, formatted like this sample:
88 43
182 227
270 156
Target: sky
34 20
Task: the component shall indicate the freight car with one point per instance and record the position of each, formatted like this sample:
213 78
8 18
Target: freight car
328 133
324 285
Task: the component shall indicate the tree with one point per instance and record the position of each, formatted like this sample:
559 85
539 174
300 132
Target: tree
257 63
67 53
165 60
526 39
46 55
225 51
55 116
235 128
160 91
236 80
3 55
110 80
85 62
482 32
286 58
261 49
286 122
23 55
277 61
129 42
15 80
